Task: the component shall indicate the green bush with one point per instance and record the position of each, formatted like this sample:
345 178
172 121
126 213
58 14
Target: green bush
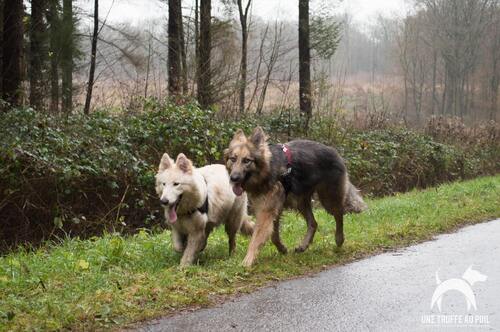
80 175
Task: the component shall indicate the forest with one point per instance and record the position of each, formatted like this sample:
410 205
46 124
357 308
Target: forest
439 59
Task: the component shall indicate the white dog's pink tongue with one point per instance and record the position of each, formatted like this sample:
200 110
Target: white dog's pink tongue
237 189
172 214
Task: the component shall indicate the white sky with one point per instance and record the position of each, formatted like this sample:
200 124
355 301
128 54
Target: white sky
136 11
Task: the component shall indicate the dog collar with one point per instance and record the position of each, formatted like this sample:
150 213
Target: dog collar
202 209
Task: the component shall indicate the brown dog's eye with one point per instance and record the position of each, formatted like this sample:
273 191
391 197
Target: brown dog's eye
247 161
233 159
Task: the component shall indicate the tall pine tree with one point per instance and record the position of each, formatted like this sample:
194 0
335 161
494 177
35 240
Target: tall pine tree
67 47
37 35
174 47
54 22
12 47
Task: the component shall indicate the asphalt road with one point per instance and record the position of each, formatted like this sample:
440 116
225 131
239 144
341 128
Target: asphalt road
388 292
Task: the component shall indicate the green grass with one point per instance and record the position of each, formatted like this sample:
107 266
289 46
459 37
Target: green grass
112 281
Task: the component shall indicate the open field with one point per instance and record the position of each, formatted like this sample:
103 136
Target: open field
112 281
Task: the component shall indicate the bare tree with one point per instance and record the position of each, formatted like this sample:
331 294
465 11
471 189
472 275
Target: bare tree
413 56
243 14
304 62
197 40
270 63
93 54
204 82
182 45
458 27
495 64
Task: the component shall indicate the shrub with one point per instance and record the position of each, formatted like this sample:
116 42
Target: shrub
80 175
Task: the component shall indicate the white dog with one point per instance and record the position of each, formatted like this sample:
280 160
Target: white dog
195 201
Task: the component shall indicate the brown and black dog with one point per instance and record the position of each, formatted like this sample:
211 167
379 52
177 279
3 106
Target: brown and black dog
279 176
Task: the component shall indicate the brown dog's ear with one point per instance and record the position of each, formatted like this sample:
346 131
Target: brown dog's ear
239 136
258 136
184 163
165 162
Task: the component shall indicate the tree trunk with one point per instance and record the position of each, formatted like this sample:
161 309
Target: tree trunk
434 73
148 66
67 56
93 54
196 41
174 49
304 62
1 47
12 51
53 21
37 53
243 12
494 84
182 45
204 83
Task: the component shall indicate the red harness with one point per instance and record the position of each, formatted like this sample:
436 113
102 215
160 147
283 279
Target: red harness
288 155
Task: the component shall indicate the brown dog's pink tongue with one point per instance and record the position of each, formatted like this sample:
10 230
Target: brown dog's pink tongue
237 189
172 214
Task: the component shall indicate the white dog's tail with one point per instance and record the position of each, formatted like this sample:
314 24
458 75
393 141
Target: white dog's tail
438 281
353 201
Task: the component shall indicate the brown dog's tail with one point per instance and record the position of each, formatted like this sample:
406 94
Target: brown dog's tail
354 202
247 227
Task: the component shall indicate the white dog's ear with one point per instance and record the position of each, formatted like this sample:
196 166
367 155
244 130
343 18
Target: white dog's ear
184 163
239 137
258 136
165 162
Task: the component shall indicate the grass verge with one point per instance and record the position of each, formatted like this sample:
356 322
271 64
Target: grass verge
113 281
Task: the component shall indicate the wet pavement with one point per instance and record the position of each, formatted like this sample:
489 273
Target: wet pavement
388 292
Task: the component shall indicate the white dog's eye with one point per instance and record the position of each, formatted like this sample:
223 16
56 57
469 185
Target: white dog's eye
163 184
176 184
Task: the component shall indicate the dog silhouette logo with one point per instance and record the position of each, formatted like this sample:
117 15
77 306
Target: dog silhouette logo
463 285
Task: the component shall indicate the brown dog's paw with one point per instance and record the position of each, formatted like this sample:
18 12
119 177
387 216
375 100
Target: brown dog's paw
247 261
339 240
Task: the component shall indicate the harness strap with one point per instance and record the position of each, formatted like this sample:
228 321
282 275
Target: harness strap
288 155
202 209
